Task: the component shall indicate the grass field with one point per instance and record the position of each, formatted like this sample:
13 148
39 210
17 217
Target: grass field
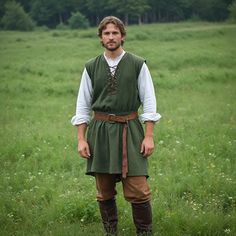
43 189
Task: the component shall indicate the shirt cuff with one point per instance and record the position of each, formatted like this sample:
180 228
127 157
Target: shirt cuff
155 117
79 119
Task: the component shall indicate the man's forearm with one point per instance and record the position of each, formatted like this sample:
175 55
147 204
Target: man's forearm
147 146
82 128
149 128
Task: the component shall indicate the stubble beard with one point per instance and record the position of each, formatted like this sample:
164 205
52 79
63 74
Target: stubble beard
111 49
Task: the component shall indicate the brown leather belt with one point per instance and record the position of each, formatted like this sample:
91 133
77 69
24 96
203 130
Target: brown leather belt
115 118
120 119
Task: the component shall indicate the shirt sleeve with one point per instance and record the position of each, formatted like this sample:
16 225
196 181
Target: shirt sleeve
84 99
147 96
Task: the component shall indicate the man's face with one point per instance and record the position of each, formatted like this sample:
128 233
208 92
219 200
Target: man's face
111 37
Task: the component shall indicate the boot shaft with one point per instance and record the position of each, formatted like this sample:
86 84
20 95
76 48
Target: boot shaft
108 211
142 217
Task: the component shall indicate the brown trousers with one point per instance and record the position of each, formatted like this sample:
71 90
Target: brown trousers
135 188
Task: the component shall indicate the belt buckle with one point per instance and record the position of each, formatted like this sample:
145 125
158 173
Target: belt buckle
110 116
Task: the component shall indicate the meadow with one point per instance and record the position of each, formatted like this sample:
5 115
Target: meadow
43 188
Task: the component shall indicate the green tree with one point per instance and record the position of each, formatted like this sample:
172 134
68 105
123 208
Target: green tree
77 20
187 7
156 10
212 10
52 12
16 18
174 11
232 10
40 13
166 10
95 10
128 8
2 8
140 9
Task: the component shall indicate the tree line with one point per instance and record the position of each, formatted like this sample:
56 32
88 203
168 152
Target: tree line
52 13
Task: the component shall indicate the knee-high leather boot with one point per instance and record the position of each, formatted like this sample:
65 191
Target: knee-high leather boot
142 216
108 212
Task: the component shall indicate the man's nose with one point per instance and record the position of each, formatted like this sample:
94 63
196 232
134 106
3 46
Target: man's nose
111 36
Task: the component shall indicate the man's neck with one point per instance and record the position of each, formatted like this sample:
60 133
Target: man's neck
114 54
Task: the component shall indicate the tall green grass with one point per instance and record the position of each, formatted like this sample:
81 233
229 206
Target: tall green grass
43 189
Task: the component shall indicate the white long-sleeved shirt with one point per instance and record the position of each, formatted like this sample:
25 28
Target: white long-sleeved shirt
146 94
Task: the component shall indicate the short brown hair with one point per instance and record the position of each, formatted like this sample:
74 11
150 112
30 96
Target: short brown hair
113 20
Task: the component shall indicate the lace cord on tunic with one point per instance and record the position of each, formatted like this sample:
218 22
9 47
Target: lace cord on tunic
112 80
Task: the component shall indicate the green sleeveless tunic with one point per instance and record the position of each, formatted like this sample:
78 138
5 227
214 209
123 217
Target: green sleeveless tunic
118 95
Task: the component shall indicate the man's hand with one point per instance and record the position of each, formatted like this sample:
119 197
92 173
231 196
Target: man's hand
147 146
83 148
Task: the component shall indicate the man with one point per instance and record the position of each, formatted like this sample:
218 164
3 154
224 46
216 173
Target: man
113 86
